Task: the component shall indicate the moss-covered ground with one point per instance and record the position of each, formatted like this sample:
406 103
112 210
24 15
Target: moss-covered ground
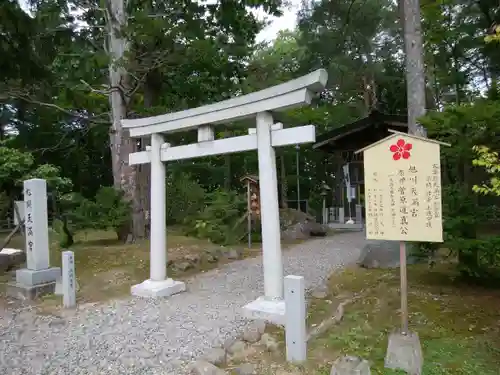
458 324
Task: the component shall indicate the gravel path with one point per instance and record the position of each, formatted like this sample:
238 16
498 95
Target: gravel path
139 336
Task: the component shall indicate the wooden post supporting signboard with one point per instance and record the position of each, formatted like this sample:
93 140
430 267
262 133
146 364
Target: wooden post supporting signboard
404 288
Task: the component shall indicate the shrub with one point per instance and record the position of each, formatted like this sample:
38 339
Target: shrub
221 220
185 197
459 220
108 210
479 259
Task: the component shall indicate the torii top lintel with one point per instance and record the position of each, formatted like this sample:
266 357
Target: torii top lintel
287 95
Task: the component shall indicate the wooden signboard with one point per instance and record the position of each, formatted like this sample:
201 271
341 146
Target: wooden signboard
253 202
253 194
403 189
403 196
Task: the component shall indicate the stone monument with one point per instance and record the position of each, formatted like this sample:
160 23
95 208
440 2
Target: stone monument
38 278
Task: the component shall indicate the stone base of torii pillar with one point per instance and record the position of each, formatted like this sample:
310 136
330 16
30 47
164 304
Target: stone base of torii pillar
163 288
266 308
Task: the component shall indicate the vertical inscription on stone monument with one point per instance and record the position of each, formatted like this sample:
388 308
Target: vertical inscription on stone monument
36 222
28 215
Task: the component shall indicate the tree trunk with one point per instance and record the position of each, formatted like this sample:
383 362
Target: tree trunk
144 170
415 70
124 175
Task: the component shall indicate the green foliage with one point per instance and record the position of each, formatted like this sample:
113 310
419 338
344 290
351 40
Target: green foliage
113 210
54 98
17 166
51 174
460 213
185 197
463 127
221 219
460 220
494 35
14 165
108 210
478 258
491 163
5 205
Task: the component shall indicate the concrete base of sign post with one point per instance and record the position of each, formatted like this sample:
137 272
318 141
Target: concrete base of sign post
29 292
269 309
404 353
29 277
156 289
32 284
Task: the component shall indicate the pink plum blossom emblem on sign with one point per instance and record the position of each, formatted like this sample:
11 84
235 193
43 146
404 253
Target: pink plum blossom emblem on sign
401 150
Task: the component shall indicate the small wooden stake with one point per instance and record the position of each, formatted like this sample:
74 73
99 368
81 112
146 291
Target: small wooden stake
404 288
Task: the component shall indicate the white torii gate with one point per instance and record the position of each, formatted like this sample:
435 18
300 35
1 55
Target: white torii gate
263 138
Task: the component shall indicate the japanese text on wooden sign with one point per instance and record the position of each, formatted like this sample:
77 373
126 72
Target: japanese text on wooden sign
403 190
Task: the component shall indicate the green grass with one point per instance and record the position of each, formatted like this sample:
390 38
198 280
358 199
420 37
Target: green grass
458 324
106 268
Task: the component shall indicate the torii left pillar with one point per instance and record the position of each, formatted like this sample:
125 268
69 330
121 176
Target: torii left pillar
158 284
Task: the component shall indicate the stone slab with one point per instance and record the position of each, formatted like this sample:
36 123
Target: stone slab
29 277
29 292
404 352
269 310
350 365
158 289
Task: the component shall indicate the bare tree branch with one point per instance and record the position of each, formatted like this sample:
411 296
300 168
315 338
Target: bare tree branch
94 119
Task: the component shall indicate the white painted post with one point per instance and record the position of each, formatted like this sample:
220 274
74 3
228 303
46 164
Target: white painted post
295 319
158 229
36 223
158 285
268 186
341 215
68 279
